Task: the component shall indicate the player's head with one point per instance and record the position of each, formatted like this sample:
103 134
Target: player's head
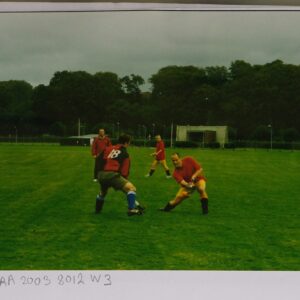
158 138
124 139
176 160
101 132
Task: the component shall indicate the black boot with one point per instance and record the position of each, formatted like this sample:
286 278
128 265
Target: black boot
140 208
204 204
151 172
99 204
167 208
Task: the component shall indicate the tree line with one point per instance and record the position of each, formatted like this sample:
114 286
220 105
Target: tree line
250 99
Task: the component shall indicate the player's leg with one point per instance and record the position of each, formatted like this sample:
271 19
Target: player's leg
95 170
104 179
166 168
182 194
100 198
152 168
201 187
134 207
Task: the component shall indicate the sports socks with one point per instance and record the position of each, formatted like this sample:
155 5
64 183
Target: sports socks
204 204
131 199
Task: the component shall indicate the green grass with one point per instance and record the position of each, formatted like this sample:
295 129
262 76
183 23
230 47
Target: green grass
47 213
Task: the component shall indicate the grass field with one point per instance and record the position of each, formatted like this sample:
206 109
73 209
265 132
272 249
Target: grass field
48 222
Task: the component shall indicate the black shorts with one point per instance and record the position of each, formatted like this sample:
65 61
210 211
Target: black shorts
109 179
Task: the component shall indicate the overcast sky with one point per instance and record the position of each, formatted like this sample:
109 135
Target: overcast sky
35 45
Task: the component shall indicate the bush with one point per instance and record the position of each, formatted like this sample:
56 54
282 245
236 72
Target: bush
74 142
213 145
186 144
229 146
261 133
36 139
290 135
58 129
139 142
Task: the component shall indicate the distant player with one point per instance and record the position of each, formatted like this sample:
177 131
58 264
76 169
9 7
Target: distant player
189 174
159 157
98 145
114 173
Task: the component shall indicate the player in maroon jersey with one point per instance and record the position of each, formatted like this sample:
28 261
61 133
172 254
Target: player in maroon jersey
99 144
159 157
114 173
189 174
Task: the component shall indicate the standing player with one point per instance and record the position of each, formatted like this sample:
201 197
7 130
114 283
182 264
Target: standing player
189 174
99 144
159 157
114 173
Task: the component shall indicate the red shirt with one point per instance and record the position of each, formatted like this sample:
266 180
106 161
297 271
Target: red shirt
189 167
99 144
117 160
161 155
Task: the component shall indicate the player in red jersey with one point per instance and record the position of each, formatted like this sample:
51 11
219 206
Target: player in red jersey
189 174
159 157
114 173
99 144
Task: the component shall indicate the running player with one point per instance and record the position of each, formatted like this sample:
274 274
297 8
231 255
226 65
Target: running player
159 157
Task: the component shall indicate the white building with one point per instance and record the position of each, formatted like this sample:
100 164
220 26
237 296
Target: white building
202 134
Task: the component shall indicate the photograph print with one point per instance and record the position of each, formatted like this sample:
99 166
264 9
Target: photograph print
150 140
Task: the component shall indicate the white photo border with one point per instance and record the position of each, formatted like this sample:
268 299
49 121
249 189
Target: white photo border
136 285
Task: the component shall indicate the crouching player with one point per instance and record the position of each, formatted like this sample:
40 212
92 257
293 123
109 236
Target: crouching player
189 174
114 173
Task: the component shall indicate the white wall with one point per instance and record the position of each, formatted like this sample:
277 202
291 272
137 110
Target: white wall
221 132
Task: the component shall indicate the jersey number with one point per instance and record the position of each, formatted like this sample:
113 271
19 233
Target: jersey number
114 153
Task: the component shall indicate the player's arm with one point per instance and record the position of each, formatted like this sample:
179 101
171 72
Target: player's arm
94 148
101 161
187 185
124 170
182 182
159 149
180 179
155 153
196 174
124 162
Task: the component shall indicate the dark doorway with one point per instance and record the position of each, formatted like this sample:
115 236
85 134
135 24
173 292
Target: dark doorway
195 136
206 136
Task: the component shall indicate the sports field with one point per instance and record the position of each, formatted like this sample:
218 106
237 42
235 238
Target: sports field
47 213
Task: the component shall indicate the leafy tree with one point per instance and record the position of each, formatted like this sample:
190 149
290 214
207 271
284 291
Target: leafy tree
108 90
15 106
244 96
131 85
173 89
58 129
261 133
290 134
239 69
71 94
217 76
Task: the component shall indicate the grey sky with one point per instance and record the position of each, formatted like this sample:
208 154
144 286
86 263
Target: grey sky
35 45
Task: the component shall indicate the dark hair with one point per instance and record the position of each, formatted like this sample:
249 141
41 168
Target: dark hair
124 138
